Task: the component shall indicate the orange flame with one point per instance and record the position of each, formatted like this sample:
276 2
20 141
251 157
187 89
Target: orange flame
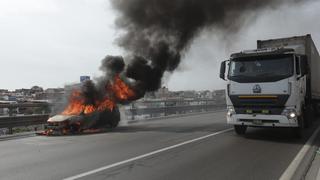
118 89
121 90
77 106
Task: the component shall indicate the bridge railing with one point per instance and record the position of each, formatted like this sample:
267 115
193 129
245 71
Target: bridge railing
14 119
162 108
23 105
23 120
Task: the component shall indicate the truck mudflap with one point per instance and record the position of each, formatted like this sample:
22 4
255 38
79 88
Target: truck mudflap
262 120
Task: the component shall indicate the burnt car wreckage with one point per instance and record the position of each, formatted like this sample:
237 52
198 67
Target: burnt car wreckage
76 124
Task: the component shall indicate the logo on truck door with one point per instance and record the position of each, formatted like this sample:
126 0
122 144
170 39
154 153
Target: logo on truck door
256 88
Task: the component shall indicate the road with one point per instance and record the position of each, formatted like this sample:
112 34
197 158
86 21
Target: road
261 154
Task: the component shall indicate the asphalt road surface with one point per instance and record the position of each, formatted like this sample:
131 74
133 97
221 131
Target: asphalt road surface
193 147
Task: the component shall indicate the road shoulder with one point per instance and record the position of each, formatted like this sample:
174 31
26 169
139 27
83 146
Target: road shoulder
313 172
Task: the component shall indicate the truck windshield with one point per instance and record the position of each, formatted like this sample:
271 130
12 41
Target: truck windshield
261 69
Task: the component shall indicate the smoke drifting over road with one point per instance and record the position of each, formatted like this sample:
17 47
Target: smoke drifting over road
157 33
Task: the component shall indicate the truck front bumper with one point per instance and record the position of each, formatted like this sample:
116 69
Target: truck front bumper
260 120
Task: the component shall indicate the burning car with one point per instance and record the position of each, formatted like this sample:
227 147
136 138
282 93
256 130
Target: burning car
73 124
95 106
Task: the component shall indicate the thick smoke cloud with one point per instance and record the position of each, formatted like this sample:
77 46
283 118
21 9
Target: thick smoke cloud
156 33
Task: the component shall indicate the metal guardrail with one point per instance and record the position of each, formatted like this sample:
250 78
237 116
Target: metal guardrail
26 120
17 120
155 109
23 105
173 109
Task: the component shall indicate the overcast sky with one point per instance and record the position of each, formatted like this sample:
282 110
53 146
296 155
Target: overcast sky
51 43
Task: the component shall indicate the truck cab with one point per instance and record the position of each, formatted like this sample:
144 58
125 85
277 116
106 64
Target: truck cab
267 87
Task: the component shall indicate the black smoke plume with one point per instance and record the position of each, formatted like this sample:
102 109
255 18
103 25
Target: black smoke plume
156 33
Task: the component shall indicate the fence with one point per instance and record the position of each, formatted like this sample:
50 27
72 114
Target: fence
17 120
154 109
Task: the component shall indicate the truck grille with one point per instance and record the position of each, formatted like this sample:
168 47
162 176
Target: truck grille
259 110
259 104
262 120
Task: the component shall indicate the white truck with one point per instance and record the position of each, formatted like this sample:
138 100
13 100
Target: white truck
276 85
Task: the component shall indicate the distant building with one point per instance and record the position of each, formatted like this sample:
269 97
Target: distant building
12 98
189 94
22 91
220 96
54 90
52 94
162 93
36 89
221 92
205 94
150 95
4 98
4 91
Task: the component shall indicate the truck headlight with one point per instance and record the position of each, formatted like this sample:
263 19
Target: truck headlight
230 111
290 113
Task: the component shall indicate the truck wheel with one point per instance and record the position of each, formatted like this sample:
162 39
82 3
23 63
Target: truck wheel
240 129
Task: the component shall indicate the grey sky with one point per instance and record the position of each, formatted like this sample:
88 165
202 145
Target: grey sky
52 42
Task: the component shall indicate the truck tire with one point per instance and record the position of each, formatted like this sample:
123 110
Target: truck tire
240 129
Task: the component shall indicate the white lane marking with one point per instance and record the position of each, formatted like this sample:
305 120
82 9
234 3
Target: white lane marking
289 172
145 155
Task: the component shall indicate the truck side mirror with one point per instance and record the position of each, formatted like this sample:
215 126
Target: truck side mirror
223 70
304 65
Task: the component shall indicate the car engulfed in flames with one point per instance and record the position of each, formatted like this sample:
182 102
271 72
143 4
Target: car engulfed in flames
96 114
83 123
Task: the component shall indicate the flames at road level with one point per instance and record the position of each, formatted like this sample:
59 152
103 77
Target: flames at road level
117 91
